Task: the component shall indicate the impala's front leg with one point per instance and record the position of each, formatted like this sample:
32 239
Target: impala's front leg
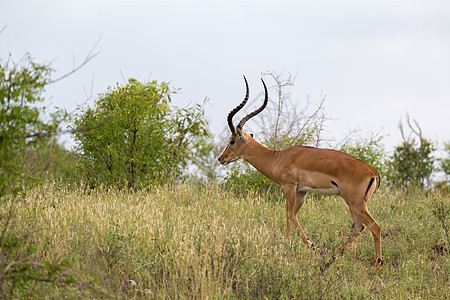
294 202
289 209
299 200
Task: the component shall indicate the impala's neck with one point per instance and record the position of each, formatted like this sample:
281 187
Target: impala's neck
261 157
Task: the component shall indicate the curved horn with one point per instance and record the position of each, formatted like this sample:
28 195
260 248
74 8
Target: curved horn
254 113
236 109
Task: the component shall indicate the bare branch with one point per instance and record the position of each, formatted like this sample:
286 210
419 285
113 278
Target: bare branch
280 84
313 115
91 54
418 132
414 130
347 138
400 126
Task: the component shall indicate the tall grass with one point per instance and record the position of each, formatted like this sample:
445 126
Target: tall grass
199 242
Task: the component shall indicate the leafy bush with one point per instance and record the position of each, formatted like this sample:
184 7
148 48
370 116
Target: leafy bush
411 164
131 136
21 117
24 125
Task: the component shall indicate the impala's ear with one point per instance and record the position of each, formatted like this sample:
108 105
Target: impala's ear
251 134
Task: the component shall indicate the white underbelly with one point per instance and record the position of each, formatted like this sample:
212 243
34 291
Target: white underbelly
330 191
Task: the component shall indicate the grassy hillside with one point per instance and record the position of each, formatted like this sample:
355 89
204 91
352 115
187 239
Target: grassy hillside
183 241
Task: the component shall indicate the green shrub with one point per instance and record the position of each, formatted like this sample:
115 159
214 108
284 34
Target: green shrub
23 120
132 136
24 126
411 164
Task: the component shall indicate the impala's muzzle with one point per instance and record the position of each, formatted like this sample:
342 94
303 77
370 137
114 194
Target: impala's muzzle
227 160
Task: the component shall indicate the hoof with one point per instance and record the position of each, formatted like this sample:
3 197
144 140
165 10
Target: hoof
379 264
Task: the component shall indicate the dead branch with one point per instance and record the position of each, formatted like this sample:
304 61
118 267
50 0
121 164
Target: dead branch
91 54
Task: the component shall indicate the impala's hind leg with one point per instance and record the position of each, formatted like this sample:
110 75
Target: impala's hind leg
375 228
358 227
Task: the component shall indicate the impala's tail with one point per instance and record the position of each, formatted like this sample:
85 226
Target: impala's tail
373 186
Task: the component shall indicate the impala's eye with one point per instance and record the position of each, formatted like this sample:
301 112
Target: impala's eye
232 142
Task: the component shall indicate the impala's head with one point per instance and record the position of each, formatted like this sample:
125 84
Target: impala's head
239 139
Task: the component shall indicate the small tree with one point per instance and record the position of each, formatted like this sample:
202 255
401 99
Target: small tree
21 122
286 126
411 164
136 137
24 124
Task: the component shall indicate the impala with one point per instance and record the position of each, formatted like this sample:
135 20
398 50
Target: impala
301 169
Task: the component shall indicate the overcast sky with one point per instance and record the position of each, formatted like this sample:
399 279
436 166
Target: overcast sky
375 61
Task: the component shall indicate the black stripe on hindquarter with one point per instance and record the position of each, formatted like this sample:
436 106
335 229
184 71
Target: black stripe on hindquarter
370 184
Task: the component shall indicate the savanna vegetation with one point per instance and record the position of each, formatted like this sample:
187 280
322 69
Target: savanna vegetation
139 210
186 241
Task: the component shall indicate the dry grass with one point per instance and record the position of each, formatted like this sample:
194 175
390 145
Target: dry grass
198 242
